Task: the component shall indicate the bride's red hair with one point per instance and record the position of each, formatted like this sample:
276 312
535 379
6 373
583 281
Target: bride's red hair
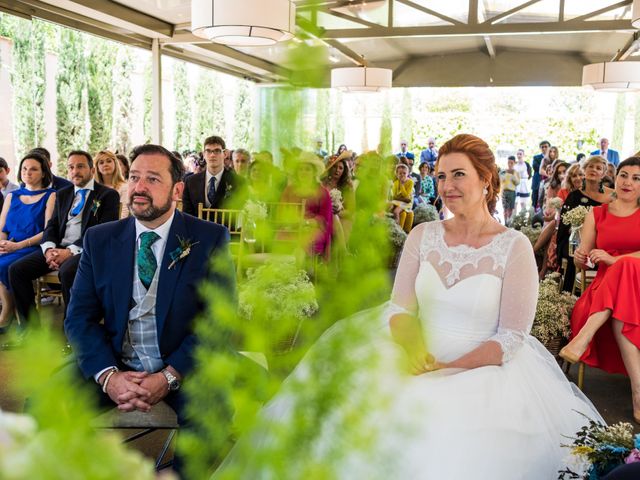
482 159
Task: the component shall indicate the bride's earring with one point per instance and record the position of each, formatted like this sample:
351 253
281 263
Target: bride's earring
485 191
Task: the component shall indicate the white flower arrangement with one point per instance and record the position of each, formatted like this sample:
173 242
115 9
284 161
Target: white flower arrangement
556 203
336 200
532 233
425 212
254 210
553 311
575 217
522 219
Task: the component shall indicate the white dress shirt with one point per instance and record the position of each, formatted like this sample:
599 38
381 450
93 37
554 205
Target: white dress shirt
73 230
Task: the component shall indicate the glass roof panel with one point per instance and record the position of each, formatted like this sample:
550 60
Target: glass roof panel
373 11
456 9
405 16
577 8
542 11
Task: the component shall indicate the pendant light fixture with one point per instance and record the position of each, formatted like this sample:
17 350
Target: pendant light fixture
361 79
612 76
243 22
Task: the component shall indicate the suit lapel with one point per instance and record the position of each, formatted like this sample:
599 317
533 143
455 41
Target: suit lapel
200 191
65 208
169 276
123 250
86 211
221 189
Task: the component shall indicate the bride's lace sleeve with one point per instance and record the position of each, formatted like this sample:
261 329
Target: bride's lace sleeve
403 297
518 299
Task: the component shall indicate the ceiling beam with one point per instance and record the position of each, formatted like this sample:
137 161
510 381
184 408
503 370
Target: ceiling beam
489 44
428 11
561 11
130 15
73 20
510 12
350 18
482 29
472 18
476 69
606 9
629 47
318 33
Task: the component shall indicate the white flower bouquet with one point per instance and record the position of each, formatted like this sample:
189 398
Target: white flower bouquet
254 211
556 202
336 200
425 212
553 311
575 217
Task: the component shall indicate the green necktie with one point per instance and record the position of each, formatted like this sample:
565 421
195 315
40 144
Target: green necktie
146 259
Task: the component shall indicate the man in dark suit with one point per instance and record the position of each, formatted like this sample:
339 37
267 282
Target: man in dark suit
58 182
537 161
133 303
216 187
611 155
78 207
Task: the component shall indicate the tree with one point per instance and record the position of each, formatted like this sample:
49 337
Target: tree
123 108
217 107
406 117
148 89
243 124
203 107
386 130
100 67
323 119
71 87
619 118
183 129
27 80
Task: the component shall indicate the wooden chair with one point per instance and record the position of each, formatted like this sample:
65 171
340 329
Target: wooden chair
282 237
232 219
48 286
160 417
582 280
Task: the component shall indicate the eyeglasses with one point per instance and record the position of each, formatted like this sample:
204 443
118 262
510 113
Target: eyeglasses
210 151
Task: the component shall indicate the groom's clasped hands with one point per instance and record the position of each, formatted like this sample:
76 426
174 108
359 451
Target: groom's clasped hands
137 390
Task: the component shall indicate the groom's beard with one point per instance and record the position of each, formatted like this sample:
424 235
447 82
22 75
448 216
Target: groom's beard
152 211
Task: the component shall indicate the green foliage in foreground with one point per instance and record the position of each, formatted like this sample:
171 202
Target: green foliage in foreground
62 443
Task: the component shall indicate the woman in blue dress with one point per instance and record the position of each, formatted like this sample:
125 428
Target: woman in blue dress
24 215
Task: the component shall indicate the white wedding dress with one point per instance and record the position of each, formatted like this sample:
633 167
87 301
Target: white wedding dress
503 422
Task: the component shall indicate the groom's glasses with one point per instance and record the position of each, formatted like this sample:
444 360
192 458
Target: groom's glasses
210 151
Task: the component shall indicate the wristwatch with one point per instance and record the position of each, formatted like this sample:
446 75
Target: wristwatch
172 380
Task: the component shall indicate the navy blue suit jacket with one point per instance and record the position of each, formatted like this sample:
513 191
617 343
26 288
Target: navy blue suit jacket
612 156
104 283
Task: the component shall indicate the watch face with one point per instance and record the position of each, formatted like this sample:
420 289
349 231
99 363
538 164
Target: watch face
174 385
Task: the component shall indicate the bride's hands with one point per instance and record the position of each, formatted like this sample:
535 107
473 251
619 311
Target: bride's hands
407 332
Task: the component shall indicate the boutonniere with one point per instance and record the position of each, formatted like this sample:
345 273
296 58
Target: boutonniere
95 206
227 190
183 250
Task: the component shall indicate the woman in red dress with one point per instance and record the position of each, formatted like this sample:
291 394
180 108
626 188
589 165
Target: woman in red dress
611 239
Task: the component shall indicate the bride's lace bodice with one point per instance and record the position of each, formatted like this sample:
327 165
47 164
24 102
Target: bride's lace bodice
499 301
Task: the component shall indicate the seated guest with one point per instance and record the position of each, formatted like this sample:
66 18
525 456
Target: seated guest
216 187
6 185
402 198
124 165
76 209
109 174
591 194
338 177
572 181
58 182
428 190
265 183
241 160
611 240
24 214
305 186
132 327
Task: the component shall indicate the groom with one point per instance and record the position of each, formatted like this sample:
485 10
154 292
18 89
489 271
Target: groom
141 275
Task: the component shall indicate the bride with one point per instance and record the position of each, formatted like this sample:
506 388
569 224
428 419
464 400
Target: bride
485 399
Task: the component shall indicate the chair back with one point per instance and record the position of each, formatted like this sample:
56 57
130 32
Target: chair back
232 220
286 221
